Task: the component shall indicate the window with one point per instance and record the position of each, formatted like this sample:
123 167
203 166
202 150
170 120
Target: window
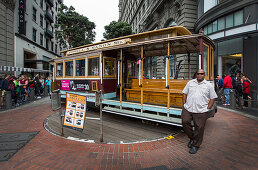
131 68
215 26
80 67
109 67
238 18
41 39
41 20
47 47
59 69
69 68
34 14
229 21
208 4
206 30
205 58
41 4
34 34
221 23
56 48
209 28
52 46
93 66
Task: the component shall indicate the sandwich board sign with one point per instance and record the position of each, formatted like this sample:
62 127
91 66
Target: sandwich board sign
75 111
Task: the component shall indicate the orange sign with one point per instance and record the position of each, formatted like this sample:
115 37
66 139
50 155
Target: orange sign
75 111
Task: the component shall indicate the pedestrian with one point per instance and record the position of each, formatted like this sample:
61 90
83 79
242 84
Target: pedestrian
239 92
227 86
198 98
4 88
17 92
37 85
23 84
48 84
246 93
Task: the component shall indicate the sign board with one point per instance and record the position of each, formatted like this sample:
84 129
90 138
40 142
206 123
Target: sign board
75 111
75 85
100 46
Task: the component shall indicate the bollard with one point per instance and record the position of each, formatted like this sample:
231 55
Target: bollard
32 94
8 100
232 99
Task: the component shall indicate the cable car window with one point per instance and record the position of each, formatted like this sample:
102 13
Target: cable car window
80 67
59 70
69 68
109 67
93 66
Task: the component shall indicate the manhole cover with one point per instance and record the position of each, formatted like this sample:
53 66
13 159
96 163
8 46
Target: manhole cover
10 143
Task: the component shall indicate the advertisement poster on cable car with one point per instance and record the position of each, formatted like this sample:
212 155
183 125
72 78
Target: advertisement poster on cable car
75 111
75 85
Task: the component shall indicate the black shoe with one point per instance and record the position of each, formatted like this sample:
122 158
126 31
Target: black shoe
193 150
190 143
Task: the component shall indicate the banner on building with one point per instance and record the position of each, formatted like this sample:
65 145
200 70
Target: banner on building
75 111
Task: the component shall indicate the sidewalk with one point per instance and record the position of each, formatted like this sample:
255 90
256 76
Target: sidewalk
230 142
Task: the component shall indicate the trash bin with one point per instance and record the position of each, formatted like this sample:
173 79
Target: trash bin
55 100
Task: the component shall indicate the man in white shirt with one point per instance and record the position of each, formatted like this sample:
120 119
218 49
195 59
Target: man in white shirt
198 98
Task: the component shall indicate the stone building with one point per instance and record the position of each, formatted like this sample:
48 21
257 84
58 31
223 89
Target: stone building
6 32
35 42
147 15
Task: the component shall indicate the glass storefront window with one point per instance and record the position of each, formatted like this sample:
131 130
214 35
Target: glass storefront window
209 28
215 26
221 23
59 70
238 18
205 59
206 30
109 66
229 21
93 66
80 67
231 64
69 68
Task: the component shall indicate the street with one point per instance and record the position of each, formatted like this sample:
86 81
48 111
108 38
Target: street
230 142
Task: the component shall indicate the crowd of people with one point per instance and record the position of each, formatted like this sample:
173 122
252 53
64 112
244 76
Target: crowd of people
240 82
21 87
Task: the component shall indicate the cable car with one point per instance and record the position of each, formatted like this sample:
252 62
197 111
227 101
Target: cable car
140 75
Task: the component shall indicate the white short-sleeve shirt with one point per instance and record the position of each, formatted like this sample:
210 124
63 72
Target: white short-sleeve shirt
198 95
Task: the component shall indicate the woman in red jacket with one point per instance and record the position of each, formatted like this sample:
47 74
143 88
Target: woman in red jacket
247 83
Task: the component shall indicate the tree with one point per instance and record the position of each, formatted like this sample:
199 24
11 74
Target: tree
73 28
117 29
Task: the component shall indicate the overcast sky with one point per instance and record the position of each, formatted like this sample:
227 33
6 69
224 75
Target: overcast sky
101 12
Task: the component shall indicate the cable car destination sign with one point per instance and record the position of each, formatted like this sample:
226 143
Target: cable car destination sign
99 46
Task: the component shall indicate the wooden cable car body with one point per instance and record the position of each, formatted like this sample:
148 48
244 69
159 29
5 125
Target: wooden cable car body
139 75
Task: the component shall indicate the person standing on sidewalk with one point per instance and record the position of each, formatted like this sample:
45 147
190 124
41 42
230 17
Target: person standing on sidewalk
227 86
246 93
198 98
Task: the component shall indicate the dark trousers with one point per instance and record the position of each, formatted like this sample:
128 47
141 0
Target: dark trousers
245 97
199 120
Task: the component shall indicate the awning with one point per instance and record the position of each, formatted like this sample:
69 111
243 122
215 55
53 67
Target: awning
10 68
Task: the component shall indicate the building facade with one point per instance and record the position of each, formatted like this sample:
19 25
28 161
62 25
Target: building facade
233 25
6 32
35 42
147 15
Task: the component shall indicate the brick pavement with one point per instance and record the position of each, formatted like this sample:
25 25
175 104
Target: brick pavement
230 142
